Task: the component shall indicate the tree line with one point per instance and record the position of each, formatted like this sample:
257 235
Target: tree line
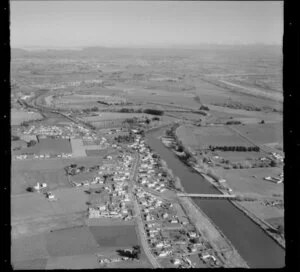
235 148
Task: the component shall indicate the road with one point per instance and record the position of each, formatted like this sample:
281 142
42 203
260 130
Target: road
138 216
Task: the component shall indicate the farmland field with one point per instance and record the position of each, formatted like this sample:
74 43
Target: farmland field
242 180
86 261
91 85
48 146
71 241
265 212
18 116
204 136
113 116
30 205
115 235
240 156
37 264
276 221
263 133
95 152
29 248
22 179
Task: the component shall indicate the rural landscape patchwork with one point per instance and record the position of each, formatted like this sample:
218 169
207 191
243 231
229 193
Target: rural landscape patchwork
147 135
147 158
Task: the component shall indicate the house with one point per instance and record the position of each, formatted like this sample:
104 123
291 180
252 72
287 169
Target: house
192 234
159 245
176 261
164 253
37 186
174 221
50 195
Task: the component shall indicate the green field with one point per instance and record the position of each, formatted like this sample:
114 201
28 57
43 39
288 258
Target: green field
48 146
242 181
18 116
204 136
263 133
115 235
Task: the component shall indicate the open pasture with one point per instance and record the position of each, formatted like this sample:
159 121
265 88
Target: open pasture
37 264
22 179
69 200
33 225
29 248
48 146
19 116
30 205
204 136
43 164
240 113
242 181
240 156
262 133
181 99
87 261
276 221
83 176
70 242
95 152
262 211
119 236
114 116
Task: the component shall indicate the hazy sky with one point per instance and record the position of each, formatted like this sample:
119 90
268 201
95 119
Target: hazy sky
125 23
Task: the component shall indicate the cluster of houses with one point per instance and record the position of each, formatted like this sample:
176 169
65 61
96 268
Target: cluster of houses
117 209
159 217
42 156
148 177
71 130
21 157
39 186
277 156
276 180
119 172
95 180
112 260
117 190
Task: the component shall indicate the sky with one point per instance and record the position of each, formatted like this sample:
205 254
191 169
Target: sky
146 24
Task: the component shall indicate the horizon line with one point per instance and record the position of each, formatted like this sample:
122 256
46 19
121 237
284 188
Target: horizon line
157 46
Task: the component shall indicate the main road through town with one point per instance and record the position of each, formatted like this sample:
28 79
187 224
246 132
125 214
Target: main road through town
138 216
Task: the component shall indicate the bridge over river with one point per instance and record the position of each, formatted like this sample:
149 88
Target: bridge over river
208 196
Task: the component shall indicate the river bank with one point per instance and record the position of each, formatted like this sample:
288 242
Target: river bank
264 225
269 230
253 244
219 242
222 247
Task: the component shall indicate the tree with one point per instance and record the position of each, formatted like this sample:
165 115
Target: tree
30 189
31 143
24 124
15 138
136 252
273 163
154 111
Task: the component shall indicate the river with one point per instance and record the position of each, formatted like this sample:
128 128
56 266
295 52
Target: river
254 245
